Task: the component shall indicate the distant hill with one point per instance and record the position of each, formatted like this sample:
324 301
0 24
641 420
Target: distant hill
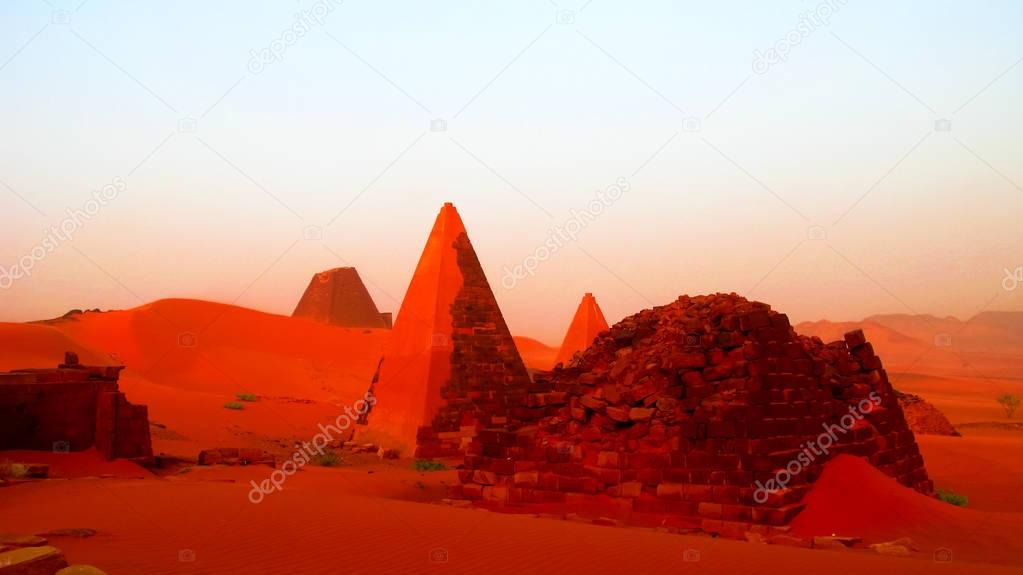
988 345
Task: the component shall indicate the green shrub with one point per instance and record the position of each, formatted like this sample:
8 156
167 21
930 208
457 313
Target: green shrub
246 396
1009 403
329 458
428 465
952 497
234 405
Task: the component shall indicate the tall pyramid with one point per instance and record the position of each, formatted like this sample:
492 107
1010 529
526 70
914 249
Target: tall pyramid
450 365
338 297
587 323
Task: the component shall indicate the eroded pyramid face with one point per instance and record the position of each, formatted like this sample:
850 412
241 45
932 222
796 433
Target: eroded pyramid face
451 362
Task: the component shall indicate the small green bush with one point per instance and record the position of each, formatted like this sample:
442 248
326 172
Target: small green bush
246 396
952 497
428 465
329 458
234 405
1009 403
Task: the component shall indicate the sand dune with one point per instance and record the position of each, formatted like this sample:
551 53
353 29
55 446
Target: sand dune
186 358
535 354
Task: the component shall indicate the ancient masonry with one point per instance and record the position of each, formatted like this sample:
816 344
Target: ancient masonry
451 366
587 323
338 297
72 408
709 412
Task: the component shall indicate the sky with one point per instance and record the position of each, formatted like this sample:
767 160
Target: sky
835 159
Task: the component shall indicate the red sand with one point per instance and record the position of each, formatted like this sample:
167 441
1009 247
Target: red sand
853 499
586 324
88 463
143 525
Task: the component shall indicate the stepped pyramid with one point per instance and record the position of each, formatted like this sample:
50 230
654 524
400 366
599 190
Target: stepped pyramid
451 365
587 323
338 297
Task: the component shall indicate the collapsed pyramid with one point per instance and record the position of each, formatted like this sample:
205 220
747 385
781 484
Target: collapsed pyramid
338 297
586 325
451 365
710 412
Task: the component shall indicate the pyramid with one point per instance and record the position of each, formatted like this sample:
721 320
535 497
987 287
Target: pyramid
587 323
338 297
451 364
710 412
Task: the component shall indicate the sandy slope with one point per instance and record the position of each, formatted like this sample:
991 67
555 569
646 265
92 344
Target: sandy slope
853 498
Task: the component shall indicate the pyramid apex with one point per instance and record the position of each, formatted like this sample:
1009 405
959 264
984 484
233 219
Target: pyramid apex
587 323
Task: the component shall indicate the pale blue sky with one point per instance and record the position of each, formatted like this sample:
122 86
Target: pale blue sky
540 114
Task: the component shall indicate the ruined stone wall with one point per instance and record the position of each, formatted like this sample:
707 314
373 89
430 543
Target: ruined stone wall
122 428
71 408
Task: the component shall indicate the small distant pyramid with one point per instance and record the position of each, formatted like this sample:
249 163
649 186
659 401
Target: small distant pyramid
338 297
587 323
451 362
